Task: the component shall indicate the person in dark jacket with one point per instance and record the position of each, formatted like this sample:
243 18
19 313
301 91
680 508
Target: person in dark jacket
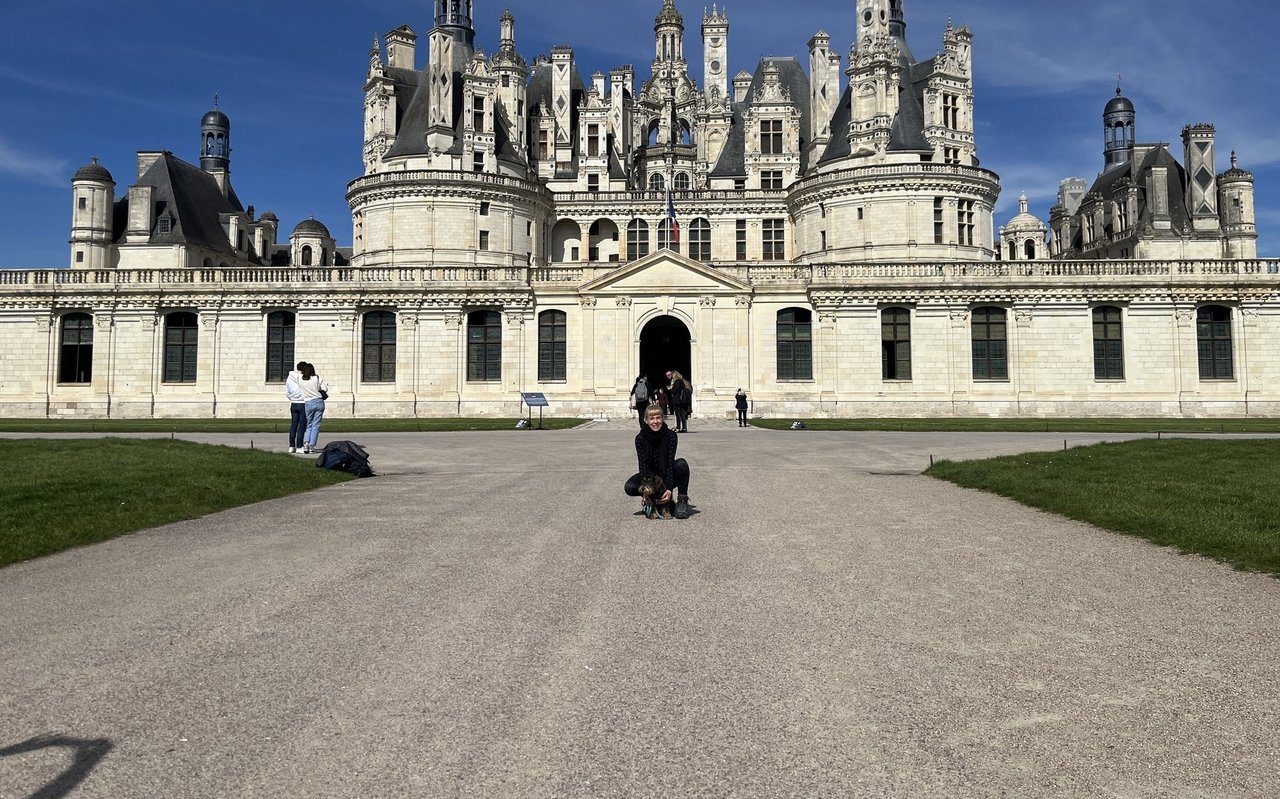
740 403
681 400
656 452
640 398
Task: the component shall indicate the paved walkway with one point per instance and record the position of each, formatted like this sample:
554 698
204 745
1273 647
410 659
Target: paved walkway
492 619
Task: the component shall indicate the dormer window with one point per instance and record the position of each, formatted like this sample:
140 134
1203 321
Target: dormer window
165 226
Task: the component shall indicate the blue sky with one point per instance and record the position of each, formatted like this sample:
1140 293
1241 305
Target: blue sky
82 78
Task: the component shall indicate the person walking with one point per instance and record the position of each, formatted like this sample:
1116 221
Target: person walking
681 399
656 453
297 407
640 397
740 403
314 392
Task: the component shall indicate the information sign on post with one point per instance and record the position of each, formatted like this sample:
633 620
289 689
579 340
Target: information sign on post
535 400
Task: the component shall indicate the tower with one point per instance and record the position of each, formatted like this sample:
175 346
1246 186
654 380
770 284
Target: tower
512 72
93 200
215 146
668 29
715 51
1202 178
824 71
875 74
1118 122
452 43
1239 227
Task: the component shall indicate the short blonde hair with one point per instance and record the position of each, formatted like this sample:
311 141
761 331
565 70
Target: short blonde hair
654 410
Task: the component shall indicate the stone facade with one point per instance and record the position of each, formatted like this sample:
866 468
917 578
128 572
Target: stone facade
830 248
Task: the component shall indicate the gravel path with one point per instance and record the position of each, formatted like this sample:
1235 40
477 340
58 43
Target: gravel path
492 619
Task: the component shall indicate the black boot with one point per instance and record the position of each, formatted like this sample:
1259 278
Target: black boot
682 507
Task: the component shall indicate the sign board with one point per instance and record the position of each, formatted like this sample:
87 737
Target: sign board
535 400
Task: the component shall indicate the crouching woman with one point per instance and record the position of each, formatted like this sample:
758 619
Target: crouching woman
656 451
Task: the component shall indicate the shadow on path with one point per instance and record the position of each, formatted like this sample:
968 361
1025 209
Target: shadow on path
86 754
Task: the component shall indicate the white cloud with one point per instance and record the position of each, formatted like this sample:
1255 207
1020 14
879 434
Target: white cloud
34 168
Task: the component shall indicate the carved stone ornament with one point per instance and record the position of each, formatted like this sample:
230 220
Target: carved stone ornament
1023 318
453 320
347 321
209 321
624 302
1185 316
587 302
707 302
959 317
827 317
43 323
408 320
742 302
515 318
103 321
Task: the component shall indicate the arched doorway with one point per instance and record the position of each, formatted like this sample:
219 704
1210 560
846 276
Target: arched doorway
665 344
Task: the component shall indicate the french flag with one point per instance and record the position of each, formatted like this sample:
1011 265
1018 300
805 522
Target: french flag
671 214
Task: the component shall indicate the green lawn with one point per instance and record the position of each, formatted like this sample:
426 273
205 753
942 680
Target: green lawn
331 425
1215 498
62 494
988 425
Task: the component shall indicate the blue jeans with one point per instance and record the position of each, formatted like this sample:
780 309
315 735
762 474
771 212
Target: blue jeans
315 413
297 423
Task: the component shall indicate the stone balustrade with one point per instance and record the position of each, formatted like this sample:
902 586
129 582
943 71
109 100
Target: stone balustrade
1027 273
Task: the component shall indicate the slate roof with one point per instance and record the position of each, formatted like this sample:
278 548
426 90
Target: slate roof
732 161
190 197
907 133
1175 182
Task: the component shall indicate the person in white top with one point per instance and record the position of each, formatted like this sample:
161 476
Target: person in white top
297 408
314 391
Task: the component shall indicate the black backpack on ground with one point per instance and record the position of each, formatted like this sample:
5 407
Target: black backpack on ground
345 456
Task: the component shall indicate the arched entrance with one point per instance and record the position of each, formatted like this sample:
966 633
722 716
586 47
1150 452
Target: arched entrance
665 344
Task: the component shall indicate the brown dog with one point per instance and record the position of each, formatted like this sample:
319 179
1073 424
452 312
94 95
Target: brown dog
651 490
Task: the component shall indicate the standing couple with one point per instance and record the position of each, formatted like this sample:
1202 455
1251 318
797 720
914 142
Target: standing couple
306 392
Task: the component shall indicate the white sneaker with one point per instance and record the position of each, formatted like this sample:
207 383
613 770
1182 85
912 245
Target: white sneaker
292 450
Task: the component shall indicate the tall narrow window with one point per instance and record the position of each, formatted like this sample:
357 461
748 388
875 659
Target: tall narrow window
666 239
75 363
484 346
378 364
280 330
637 239
772 239
477 114
771 137
593 183
552 335
700 240
964 223
740 232
990 344
181 347
895 344
306 255
951 111
795 344
1213 329
1108 344
593 140
544 151
939 229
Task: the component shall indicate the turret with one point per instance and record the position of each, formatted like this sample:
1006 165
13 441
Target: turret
512 73
215 146
1118 121
668 29
1235 199
402 48
93 200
